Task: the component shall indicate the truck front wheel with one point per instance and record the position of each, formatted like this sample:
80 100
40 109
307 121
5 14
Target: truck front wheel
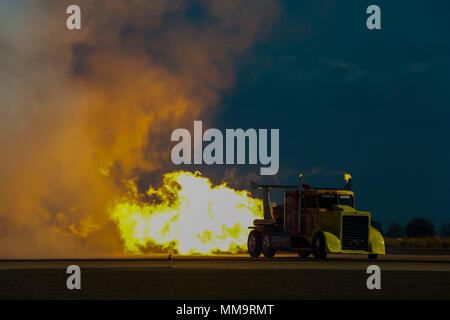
318 247
254 244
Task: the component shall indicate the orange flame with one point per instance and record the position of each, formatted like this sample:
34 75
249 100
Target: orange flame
192 216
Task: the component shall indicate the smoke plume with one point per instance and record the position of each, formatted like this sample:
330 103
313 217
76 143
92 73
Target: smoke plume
81 111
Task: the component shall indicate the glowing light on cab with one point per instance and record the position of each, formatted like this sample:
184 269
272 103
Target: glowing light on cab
347 177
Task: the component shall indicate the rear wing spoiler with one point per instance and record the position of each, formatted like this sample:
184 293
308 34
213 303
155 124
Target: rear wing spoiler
256 185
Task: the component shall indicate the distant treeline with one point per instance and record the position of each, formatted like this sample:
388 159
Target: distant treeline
417 228
428 242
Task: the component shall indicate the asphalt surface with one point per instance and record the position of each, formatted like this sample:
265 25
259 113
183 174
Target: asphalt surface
229 277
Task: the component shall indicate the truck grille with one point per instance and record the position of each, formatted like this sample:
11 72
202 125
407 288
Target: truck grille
355 232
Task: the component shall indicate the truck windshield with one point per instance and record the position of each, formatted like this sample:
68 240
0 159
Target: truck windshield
328 200
346 200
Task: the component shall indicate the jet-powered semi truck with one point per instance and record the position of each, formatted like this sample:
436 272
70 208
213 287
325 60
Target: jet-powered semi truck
313 220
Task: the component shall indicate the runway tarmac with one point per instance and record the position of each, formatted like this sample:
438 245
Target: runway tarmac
229 277
243 261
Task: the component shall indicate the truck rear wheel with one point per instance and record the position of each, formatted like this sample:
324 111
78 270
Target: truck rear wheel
318 247
267 248
254 244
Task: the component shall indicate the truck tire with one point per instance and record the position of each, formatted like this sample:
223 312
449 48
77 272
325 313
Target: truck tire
254 244
373 256
318 248
267 248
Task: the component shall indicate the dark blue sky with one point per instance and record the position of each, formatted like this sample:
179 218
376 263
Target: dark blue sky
375 104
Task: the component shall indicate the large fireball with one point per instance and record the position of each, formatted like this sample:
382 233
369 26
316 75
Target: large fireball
189 216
